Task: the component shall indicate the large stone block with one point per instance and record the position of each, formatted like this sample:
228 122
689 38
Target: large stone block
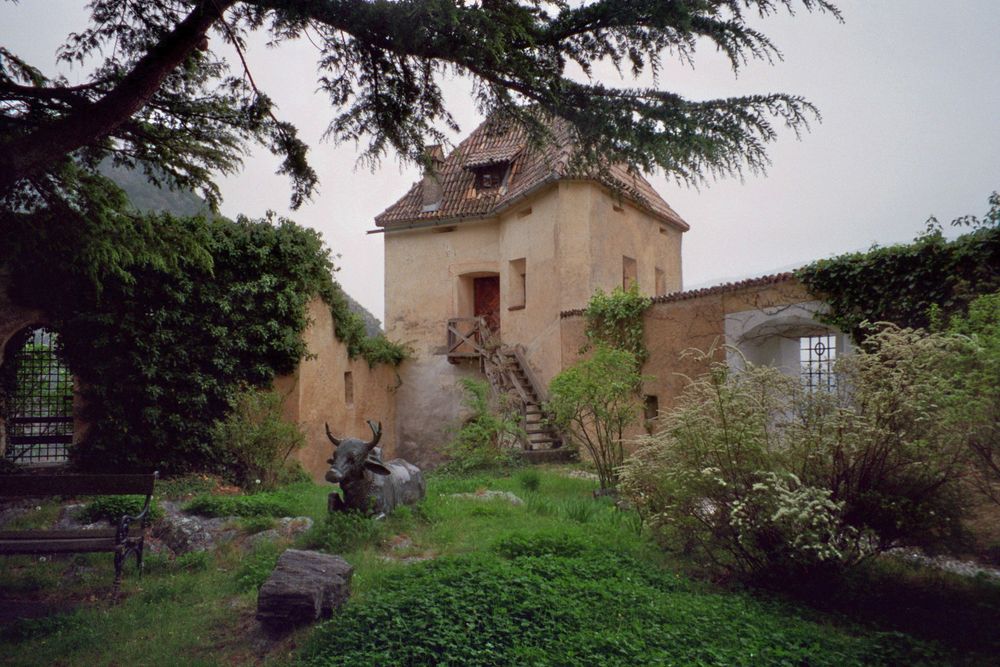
304 586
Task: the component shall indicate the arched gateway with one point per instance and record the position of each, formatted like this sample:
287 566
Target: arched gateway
36 400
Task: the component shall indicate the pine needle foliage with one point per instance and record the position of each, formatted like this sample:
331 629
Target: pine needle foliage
159 95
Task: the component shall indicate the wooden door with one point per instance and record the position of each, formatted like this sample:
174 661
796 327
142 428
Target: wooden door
486 300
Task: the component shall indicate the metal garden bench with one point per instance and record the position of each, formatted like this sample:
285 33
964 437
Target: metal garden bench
127 538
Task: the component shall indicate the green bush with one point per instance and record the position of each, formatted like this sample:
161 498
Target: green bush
488 438
595 400
901 283
163 348
763 476
113 508
978 366
255 442
616 320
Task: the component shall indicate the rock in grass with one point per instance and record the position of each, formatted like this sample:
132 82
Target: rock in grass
304 586
490 495
184 534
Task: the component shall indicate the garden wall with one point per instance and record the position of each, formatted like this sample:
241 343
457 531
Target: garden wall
697 320
321 391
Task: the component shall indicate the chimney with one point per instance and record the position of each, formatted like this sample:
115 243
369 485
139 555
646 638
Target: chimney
430 187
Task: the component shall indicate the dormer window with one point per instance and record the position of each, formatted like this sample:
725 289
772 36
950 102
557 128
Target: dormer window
491 176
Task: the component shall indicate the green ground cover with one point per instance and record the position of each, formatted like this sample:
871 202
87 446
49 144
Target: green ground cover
561 580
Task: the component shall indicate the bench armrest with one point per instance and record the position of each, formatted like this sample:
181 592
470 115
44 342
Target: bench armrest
126 521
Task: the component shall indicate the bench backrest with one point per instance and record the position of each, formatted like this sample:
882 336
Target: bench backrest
76 485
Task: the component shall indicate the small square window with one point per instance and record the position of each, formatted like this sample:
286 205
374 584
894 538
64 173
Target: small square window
349 389
630 272
661 282
491 177
517 284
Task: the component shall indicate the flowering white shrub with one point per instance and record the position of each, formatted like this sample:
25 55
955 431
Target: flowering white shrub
758 474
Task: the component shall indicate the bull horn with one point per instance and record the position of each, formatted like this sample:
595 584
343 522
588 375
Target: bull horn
376 434
335 441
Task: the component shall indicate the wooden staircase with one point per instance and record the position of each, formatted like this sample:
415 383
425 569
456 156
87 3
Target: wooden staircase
535 421
509 373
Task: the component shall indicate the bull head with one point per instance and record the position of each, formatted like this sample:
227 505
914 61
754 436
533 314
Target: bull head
352 457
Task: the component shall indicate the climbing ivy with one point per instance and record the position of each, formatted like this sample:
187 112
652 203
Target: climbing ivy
163 348
903 283
349 327
616 320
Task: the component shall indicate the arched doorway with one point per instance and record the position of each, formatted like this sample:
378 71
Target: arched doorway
36 400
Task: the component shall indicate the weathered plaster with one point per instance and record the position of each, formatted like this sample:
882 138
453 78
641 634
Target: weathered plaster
571 235
315 394
676 332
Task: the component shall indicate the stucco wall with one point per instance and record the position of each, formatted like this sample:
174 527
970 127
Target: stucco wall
694 322
315 394
572 236
618 229
423 291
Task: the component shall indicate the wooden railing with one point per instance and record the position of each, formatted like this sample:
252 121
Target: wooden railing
508 372
465 338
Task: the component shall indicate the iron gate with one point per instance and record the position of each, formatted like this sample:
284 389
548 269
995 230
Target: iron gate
38 402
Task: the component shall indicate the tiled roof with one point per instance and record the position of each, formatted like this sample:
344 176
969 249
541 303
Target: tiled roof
762 281
530 168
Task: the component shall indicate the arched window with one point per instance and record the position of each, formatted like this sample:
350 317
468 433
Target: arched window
790 338
36 400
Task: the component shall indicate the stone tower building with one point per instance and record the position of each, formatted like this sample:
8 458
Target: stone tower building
496 241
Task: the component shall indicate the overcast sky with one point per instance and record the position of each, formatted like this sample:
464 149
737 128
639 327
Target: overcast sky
909 91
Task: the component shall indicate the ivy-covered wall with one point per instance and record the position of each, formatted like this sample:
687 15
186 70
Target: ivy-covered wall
162 347
905 283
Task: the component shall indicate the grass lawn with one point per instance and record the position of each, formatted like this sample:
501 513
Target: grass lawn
560 580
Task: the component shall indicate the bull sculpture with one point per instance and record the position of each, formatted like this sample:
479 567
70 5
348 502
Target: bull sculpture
368 484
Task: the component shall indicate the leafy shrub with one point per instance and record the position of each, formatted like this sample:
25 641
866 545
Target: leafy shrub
594 401
265 504
163 347
616 320
349 327
255 442
763 476
487 439
340 532
901 283
978 366
113 508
